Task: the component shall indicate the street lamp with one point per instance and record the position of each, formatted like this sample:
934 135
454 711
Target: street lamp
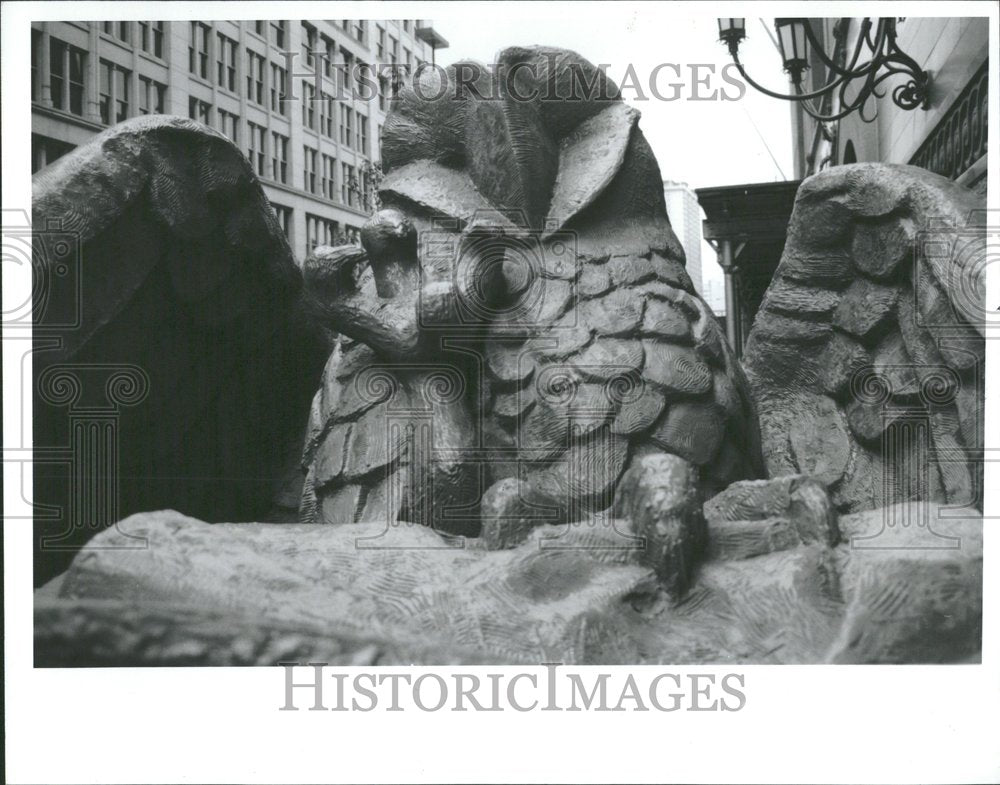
732 31
795 37
794 46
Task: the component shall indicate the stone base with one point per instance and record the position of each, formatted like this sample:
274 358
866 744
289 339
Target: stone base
258 594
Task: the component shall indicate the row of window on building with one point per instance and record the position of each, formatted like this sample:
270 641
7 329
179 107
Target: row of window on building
268 155
67 83
67 87
275 32
320 53
319 230
151 35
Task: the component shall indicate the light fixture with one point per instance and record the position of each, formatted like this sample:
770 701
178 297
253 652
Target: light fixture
796 36
732 31
794 46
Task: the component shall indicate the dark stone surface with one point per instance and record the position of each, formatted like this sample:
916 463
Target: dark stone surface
591 325
178 278
755 517
578 594
866 306
658 495
515 435
893 243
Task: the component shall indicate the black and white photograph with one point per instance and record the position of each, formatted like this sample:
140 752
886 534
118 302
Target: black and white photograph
534 373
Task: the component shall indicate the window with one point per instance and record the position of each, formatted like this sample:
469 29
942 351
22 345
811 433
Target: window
284 216
327 185
200 111
279 32
151 38
383 93
365 195
393 50
104 92
45 150
309 170
255 147
408 59
362 133
229 125
308 45
225 62
260 28
255 78
406 25
320 231
36 65
279 101
198 50
119 30
57 72
380 44
121 93
329 57
348 78
348 185
850 156
114 92
359 31
326 122
364 79
308 105
279 157
346 125
151 96
77 61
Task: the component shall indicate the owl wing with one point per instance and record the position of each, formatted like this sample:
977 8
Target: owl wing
156 248
866 357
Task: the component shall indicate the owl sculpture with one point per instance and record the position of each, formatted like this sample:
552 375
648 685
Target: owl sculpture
523 258
516 358
867 358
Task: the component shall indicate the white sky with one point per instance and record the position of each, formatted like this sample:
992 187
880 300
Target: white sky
703 143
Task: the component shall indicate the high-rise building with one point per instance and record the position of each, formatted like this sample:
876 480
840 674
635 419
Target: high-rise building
685 218
290 94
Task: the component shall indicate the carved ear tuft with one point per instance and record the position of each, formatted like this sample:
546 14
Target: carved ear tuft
589 159
427 120
512 158
540 136
571 88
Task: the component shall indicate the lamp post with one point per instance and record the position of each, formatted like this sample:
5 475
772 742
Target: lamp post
795 37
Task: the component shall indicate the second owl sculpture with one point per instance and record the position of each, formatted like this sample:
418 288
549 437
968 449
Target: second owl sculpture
519 337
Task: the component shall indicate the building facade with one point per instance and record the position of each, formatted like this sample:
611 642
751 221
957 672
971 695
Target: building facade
685 218
948 136
291 94
747 223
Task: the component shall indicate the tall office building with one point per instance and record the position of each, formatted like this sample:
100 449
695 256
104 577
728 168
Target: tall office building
685 218
286 92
